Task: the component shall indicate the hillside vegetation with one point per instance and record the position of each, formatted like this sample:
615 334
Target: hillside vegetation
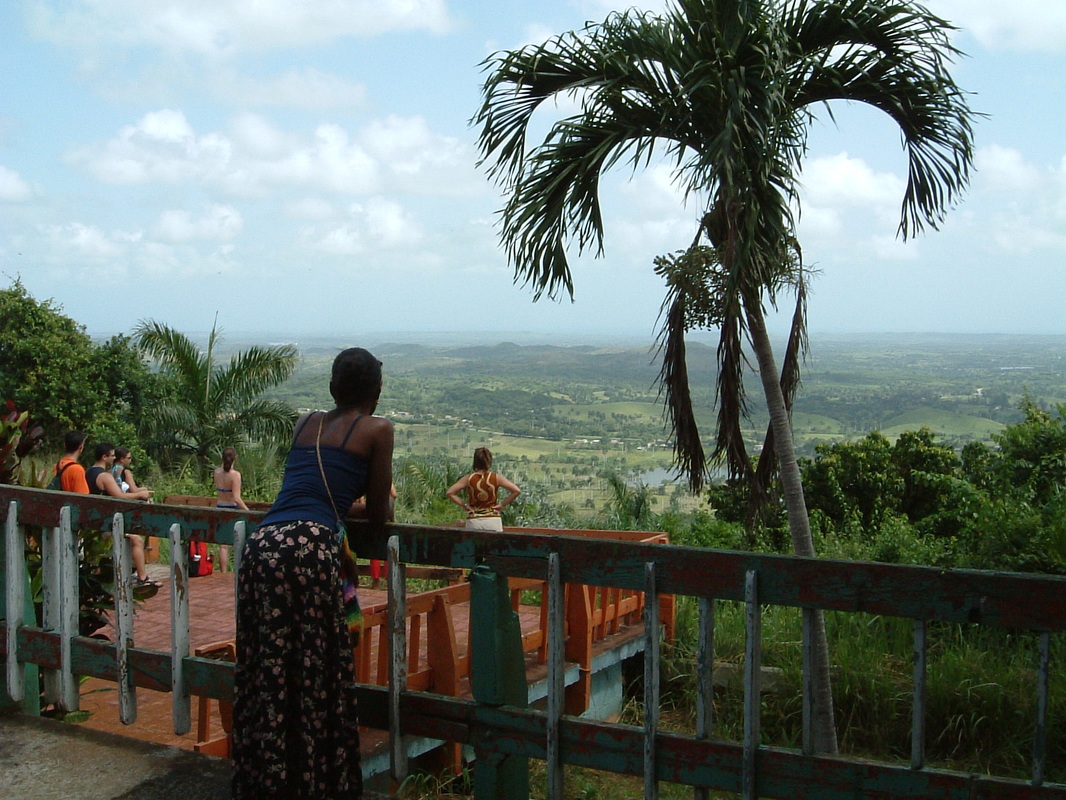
557 417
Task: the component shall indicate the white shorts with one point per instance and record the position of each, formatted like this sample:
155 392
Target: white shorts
484 524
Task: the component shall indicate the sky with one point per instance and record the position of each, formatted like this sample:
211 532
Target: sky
307 167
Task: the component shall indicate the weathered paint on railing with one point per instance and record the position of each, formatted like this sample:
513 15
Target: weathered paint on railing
500 733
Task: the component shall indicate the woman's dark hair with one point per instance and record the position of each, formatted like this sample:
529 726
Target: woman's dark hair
482 459
229 455
121 453
356 377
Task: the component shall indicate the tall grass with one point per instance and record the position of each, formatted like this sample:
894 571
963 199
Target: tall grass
980 688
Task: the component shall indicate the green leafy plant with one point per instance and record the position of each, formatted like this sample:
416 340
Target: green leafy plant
19 436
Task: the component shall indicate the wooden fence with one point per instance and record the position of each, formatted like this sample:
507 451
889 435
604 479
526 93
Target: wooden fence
505 735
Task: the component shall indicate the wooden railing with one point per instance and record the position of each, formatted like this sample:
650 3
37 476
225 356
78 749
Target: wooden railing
506 735
592 615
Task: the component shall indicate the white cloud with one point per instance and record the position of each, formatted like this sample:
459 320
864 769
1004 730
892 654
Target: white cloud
843 182
161 147
376 224
13 189
835 188
222 28
421 160
820 222
88 241
1019 232
169 261
221 223
1025 204
1059 208
256 136
1023 25
251 161
1004 168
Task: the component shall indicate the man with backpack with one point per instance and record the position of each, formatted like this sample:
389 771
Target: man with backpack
70 475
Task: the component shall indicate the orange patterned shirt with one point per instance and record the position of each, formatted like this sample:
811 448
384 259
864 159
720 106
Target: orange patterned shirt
482 491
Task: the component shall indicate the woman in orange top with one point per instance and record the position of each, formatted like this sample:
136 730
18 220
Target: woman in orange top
482 486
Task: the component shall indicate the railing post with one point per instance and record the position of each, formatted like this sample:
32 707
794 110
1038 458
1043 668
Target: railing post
752 683
651 681
181 703
19 688
240 536
397 615
921 661
120 550
705 681
556 678
1043 676
498 677
59 563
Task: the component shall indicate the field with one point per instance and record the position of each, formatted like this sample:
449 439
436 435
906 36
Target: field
559 417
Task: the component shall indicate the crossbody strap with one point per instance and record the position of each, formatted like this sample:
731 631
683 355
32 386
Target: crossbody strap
322 470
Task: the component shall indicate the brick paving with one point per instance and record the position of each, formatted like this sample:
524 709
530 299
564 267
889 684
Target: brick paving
211 619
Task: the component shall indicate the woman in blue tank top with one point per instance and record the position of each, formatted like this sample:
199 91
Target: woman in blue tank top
295 732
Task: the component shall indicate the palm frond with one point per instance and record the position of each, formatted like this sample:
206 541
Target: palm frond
892 55
689 457
266 420
730 397
251 372
174 352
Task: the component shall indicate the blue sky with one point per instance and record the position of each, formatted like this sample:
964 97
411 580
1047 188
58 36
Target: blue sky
307 167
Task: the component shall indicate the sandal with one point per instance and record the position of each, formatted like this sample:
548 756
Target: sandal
145 581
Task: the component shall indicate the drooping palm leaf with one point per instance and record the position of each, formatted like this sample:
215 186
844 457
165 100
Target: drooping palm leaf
689 456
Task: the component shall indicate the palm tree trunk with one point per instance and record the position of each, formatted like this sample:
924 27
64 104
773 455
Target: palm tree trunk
824 724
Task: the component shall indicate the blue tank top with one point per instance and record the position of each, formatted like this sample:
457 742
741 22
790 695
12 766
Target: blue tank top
303 496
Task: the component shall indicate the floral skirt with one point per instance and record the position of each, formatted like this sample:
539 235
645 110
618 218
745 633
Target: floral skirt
295 733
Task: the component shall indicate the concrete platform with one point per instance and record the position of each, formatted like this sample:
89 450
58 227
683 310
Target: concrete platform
42 759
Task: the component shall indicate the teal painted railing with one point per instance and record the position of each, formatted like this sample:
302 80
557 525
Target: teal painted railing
503 733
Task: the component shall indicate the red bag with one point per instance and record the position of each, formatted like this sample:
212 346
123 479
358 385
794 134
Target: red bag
200 561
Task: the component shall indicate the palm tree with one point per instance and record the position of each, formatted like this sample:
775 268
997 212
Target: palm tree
215 405
725 89
628 508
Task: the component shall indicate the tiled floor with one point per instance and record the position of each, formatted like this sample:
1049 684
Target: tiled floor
211 615
210 620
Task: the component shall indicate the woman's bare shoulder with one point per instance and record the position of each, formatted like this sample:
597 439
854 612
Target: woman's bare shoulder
378 424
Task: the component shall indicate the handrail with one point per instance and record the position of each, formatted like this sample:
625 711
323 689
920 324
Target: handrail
922 594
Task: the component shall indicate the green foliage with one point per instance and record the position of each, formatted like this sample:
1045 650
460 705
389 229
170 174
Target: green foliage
52 368
214 405
48 363
853 481
19 436
997 509
96 579
1032 454
421 483
629 507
